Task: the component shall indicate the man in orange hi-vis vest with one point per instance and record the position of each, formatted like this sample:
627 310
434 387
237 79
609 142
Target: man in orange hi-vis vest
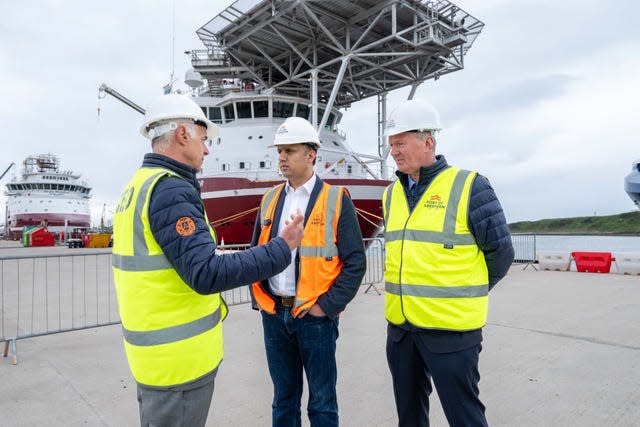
300 307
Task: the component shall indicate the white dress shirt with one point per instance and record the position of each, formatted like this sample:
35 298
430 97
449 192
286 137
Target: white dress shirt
284 284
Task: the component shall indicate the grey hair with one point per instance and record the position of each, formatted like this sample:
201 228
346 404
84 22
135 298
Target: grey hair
162 142
423 134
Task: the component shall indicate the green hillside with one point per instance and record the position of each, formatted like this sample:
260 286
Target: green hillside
626 223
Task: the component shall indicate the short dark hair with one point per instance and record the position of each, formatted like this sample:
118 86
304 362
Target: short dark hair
313 147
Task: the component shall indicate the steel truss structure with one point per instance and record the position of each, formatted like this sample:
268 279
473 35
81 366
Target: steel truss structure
335 52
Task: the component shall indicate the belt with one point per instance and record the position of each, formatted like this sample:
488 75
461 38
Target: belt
286 301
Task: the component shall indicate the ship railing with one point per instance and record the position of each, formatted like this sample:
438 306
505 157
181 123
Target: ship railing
49 294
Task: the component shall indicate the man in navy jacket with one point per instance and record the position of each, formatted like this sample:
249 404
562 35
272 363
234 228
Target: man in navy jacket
175 221
447 355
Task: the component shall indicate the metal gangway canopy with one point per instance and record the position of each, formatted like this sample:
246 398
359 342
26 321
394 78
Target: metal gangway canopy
335 52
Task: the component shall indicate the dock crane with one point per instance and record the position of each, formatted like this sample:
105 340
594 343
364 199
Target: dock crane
104 89
7 170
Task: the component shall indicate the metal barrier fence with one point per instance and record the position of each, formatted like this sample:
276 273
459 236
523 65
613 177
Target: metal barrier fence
375 264
55 293
524 246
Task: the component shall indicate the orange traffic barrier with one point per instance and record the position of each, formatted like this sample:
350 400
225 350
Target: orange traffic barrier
593 262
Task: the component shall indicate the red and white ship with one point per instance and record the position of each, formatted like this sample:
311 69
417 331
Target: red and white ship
45 195
267 60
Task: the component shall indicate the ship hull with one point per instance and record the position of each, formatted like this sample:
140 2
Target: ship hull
632 183
231 204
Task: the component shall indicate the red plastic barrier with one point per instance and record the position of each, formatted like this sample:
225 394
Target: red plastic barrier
593 262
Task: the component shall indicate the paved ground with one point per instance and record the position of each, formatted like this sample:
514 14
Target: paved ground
561 349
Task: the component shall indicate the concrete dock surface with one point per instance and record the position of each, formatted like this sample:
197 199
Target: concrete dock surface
560 349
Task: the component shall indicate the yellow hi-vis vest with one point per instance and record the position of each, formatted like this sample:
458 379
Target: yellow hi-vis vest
436 276
172 335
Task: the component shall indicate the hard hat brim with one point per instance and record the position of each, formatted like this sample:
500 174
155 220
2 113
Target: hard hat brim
213 130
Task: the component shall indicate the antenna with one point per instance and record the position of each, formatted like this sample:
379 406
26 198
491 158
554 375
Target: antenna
169 86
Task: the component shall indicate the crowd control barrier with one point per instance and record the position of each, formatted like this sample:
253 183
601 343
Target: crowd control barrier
593 262
557 261
50 294
524 248
628 263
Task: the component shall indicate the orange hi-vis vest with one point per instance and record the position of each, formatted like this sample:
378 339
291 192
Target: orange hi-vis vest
320 264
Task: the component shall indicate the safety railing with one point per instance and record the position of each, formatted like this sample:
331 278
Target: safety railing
55 293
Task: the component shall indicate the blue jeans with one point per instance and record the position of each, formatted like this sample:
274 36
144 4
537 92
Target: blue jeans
294 344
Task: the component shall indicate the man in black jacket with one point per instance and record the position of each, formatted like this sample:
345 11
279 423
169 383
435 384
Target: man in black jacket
300 306
447 244
167 274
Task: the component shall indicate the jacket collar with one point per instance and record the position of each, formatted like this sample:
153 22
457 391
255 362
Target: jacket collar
155 160
427 173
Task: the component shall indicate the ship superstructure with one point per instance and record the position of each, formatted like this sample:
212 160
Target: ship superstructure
268 60
44 195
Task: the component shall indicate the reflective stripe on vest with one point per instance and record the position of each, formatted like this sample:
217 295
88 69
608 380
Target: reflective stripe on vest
172 335
140 260
319 264
436 276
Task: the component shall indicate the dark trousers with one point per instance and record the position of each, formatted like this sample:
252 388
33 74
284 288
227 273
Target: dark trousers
175 408
455 376
294 345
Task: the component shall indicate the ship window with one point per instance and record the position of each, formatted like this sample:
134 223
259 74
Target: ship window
244 110
303 111
282 109
215 115
330 120
262 165
260 109
226 167
229 113
241 165
349 168
204 110
40 186
47 186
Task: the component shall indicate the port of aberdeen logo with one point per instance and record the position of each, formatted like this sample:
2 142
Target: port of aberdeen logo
435 202
185 226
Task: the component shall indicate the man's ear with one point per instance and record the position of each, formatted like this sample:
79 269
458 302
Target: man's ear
181 134
429 141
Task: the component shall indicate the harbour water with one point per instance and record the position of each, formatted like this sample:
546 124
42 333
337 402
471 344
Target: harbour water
588 243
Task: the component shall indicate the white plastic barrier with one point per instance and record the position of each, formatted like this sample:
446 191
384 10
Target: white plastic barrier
558 261
628 263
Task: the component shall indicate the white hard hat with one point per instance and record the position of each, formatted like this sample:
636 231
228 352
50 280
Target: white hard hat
296 130
157 118
413 115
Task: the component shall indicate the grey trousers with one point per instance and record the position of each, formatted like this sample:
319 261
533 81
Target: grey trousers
175 407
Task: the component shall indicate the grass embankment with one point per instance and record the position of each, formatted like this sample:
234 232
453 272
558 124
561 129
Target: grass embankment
625 223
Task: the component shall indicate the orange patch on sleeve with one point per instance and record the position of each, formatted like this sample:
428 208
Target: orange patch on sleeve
185 226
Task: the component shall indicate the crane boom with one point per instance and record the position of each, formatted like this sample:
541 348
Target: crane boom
117 95
6 170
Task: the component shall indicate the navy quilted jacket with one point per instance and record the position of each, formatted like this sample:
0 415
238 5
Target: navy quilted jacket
193 256
485 218
489 227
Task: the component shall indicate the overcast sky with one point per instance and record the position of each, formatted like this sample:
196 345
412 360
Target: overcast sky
547 106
